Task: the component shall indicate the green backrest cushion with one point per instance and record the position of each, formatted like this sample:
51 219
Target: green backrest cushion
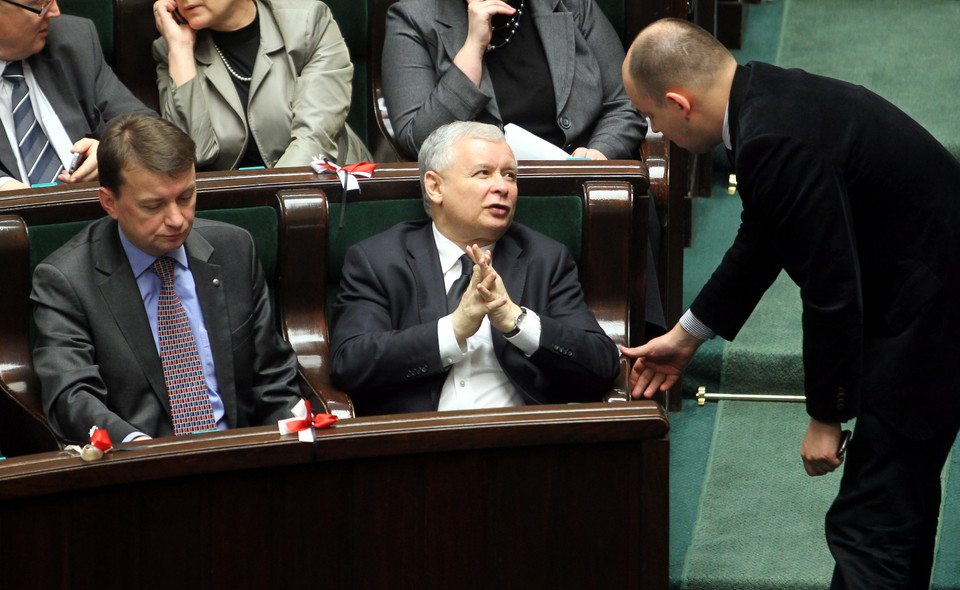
560 217
261 222
616 14
351 17
101 13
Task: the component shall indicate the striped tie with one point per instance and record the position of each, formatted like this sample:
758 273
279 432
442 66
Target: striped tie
190 405
39 159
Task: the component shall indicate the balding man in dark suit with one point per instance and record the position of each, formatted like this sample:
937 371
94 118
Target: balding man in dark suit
859 205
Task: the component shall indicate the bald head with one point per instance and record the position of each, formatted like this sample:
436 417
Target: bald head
673 53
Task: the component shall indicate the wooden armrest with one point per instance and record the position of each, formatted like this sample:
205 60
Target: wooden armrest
301 293
621 387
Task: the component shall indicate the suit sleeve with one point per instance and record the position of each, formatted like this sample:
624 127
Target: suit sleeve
620 129
274 365
73 392
113 99
420 98
369 354
799 213
186 106
322 97
576 360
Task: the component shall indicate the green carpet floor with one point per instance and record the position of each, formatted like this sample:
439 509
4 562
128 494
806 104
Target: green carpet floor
744 514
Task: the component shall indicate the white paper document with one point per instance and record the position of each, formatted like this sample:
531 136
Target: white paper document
527 146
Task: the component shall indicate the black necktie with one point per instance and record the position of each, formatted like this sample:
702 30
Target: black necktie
459 285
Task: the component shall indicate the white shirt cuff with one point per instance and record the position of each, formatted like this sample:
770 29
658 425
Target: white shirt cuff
695 327
132 436
450 352
528 339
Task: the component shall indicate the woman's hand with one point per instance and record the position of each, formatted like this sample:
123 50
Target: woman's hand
171 25
590 154
479 15
180 40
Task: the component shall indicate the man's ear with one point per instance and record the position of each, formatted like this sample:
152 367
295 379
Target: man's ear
681 101
108 201
433 185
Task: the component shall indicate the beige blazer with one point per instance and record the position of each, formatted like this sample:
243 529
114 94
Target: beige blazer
299 94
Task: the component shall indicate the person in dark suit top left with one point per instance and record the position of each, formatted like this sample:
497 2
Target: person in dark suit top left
95 299
73 92
520 334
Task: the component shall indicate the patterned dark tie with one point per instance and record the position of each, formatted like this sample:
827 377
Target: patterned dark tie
459 285
190 405
39 159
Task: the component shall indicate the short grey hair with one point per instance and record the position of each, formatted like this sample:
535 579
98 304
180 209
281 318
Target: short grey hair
437 153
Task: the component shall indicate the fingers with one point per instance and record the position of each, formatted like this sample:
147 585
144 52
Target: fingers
635 352
590 154
821 466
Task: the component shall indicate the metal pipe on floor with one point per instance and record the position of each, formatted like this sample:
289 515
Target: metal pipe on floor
703 396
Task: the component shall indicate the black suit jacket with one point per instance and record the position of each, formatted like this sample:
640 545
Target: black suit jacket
81 87
860 205
95 354
385 348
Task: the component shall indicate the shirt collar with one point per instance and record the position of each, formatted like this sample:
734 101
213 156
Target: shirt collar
450 253
141 261
726 127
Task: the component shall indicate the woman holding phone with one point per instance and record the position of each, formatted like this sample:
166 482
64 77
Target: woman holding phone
256 82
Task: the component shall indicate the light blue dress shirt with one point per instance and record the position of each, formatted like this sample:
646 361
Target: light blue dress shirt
149 284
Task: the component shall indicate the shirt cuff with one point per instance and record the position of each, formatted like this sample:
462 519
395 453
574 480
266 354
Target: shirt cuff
528 338
450 352
695 327
132 436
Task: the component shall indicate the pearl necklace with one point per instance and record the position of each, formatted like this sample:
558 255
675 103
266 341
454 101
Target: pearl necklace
230 68
513 24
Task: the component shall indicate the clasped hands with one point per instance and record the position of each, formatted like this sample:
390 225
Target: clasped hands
485 296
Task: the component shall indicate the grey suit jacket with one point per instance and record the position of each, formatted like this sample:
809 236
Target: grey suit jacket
81 87
385 350
95 354
424 90
299 93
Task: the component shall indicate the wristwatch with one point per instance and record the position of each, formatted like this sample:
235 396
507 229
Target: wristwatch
518 323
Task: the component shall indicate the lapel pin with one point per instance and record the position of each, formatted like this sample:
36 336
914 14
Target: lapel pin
216 282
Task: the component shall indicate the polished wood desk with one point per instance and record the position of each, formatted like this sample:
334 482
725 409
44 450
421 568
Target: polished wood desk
535 497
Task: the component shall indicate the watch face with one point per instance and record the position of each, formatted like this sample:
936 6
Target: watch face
521 317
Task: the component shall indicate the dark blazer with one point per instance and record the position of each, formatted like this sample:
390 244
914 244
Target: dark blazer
384 341
95 354
860 205
81 87
424 89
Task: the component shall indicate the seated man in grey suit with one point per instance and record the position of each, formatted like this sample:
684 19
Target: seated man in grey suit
520 333
151 323
56 95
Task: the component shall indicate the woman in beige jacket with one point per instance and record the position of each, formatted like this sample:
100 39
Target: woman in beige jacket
256 82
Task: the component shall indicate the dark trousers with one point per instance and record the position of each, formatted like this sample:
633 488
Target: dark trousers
882 527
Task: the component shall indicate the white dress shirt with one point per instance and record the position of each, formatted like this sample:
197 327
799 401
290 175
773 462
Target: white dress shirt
476 379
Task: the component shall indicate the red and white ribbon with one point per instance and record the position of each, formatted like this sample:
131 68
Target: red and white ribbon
305 422
347 174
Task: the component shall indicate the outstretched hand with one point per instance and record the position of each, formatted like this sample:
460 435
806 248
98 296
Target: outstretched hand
660 362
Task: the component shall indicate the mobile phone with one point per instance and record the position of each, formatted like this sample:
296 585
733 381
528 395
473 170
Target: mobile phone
178 18
74 162
844 439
